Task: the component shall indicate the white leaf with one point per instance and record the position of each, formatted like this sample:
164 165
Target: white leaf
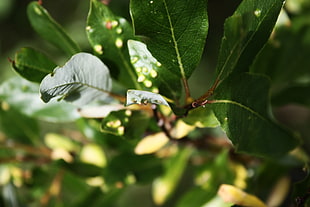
81 80
144 97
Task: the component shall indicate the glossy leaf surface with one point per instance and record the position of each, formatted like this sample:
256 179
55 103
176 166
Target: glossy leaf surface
108 35
246 119
144 97
49 29
151 73
175 33
32 64
82 79
245 33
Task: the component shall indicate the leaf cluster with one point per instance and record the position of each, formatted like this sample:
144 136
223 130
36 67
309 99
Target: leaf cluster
137 131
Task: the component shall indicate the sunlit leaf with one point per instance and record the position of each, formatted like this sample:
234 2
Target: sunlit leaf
49 29
108 35
151 143
124 122
231 194
82 79
181 129
151 73
144 97
93 154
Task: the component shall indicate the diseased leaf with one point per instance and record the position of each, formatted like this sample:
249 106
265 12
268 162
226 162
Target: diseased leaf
245 33
246 119
22 95
151 73
108 35
82 79
144 97
49 29
175 32
32 64
124 123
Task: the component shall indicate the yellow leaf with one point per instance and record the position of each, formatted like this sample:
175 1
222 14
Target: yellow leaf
181 129
231 194
151 143
93 154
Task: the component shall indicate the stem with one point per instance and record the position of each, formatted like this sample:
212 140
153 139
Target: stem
203 99
161 122
188 98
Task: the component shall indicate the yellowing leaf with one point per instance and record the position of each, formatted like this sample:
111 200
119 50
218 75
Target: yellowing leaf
93 154
231 194
181 129
151 143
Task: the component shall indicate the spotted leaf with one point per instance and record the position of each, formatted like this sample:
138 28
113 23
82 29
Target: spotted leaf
151 73
108 35
144 97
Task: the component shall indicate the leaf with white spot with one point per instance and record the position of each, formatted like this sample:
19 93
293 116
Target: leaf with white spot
144 97
108 35
245 33
175 32
84 78
124 123
151 73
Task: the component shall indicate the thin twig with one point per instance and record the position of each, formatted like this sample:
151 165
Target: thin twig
161 122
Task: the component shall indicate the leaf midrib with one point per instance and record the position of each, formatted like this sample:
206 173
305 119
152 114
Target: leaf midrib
175 43
78 83
242 106
245 45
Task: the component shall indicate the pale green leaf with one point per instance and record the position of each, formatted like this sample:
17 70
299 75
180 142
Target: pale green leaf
82 79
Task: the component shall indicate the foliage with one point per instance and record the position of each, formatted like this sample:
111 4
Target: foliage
158 145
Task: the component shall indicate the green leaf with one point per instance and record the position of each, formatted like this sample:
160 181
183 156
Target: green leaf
175 31
144 97
245 33
49 29
165 185
21 94
108 35
17 126
296 93
81 80
124 122
151 73
287 43
32 64
81 169
143 167
245 117
202 117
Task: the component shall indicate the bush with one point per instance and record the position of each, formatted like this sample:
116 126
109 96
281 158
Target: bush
124 125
